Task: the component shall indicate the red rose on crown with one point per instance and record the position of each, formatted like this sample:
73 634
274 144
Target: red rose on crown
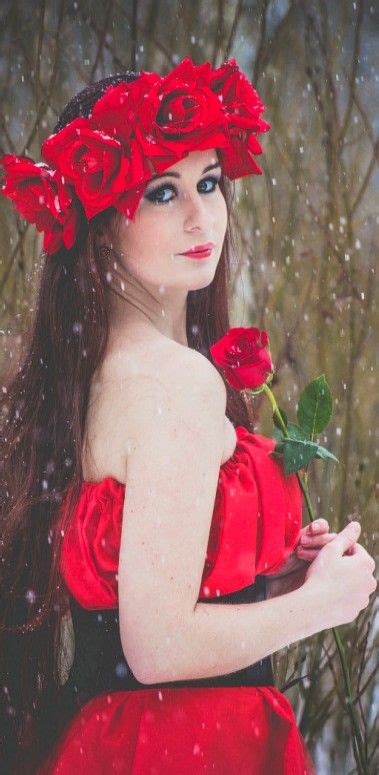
94 163
43 198
115 112
181 114
240 101
241 106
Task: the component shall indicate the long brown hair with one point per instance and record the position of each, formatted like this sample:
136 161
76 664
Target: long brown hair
43 411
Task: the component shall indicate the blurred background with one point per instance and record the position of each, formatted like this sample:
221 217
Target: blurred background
306 248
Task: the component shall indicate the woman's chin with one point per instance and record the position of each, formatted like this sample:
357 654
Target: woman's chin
202 282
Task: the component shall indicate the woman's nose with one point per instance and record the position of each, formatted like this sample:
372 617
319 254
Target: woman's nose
196 213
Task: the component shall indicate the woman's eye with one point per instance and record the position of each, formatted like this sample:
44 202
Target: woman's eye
157 194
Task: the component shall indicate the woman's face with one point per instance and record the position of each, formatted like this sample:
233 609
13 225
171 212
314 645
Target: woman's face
179 209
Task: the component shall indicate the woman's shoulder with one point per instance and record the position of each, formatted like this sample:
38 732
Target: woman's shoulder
157 361
139 375
115 381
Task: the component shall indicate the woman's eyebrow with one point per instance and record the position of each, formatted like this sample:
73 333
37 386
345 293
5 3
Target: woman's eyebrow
176 174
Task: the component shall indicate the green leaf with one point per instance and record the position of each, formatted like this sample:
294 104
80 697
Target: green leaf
297 454
296 432
315 406
323 453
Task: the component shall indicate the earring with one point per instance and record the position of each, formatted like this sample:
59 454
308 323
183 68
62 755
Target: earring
105 252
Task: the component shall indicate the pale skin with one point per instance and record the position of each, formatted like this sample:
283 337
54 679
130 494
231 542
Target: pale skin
148 286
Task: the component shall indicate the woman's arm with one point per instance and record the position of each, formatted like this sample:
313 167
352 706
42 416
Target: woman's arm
221 639
175 432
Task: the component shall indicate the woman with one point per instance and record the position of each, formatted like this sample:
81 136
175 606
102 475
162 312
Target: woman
117 397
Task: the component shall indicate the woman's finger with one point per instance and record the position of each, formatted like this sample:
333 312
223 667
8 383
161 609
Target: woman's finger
306 554
317 526
309 552
316 540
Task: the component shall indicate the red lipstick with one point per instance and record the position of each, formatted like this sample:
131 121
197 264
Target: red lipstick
199 251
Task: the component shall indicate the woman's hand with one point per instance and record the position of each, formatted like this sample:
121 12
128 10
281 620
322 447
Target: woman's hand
292 574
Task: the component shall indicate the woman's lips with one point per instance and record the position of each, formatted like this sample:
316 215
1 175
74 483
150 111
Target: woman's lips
198 254
201 251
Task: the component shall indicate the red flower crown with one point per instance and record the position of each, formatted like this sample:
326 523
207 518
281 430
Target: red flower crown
135 130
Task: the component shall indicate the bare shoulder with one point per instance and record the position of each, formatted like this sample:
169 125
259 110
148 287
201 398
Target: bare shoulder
151 377
188 366
164 372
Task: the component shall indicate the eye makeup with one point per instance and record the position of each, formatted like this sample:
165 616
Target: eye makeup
154 193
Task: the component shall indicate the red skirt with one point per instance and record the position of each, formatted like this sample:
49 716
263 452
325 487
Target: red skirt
183 731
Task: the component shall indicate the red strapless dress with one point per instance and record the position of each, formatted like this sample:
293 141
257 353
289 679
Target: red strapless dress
249 730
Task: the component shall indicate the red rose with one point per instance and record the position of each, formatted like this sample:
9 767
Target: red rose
94 163
243 356
115 112
237 159
241 105
129 201
42 197
181 114
240 101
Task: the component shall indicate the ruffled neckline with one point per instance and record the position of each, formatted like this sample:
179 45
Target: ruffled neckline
241 433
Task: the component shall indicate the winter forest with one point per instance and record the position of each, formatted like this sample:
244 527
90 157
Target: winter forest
305 253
